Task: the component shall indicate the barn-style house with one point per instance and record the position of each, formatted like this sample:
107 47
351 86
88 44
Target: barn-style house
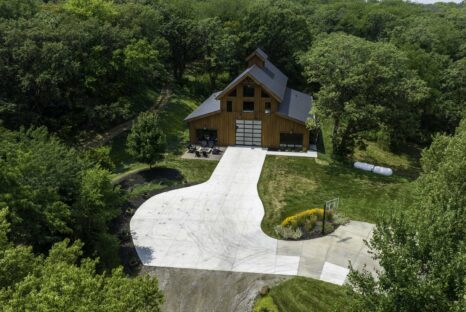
257 108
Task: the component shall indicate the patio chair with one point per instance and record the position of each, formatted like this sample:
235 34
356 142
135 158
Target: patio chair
191 148
215 151
198 154
205 154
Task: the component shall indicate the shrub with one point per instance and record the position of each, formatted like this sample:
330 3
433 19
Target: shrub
265 304
300 218
288 232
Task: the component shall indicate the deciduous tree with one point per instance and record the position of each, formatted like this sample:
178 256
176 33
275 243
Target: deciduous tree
422 250
146 141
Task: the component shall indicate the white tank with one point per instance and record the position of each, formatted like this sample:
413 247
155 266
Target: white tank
363 166
383 170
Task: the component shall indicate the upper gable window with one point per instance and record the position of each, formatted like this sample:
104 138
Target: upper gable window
229 106
232 93
248 91
264 94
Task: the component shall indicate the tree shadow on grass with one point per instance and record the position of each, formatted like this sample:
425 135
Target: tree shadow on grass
151 175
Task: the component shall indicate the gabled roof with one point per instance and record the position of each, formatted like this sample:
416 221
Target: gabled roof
293 104
269 77
296 105
261 54
209 106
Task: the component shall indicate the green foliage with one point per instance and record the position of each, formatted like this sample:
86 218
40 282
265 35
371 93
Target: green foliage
100 156
63 281
146 141
51 193
13 9
265 304
422 249
363 85
101 9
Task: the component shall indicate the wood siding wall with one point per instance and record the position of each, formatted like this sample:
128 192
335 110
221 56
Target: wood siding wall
225 122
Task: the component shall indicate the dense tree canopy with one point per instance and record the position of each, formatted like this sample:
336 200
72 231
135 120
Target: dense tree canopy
52 192
363 86
422 250
94 63
74 68
64 281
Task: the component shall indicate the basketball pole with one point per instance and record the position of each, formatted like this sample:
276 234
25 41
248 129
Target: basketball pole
323 220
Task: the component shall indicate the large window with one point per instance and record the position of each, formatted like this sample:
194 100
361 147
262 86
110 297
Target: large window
248 106
248 91
291 139
264 94
229 106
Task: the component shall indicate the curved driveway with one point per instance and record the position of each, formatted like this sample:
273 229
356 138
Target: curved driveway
216 226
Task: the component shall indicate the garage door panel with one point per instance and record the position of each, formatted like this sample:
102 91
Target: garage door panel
249 132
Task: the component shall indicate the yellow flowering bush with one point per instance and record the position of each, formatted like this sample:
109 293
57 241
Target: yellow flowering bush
310 215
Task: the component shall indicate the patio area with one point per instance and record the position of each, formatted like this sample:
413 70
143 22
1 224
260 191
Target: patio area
196 151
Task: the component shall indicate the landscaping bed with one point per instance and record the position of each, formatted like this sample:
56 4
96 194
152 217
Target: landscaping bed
309 224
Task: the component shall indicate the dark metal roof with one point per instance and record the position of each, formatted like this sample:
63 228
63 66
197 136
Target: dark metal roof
270 77
293 104
211 105
258 52
296 105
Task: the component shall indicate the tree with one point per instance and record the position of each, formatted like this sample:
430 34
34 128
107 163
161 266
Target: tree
363 86
280 28
184 38
422 250
64 281
146 141
53 193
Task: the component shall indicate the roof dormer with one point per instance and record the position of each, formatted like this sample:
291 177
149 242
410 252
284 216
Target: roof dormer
258 58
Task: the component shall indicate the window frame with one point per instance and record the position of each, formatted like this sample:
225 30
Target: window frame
248 102
250 88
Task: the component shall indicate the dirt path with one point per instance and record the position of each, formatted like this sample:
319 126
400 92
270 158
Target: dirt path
103 138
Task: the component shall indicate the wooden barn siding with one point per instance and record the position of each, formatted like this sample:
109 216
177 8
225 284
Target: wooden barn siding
225 122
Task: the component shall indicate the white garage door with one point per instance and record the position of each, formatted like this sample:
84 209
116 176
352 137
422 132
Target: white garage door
249 132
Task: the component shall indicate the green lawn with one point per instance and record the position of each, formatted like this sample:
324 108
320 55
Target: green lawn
172 122
301 294
291 184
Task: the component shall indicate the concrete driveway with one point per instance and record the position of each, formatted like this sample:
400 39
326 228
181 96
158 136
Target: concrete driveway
216 226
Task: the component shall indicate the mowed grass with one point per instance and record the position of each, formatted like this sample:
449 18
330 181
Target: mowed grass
175 128
301 294
291 184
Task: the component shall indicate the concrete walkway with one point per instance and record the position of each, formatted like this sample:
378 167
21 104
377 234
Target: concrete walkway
216 226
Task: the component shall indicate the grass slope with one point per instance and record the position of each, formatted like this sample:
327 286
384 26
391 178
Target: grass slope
301 294
288 185
172 122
